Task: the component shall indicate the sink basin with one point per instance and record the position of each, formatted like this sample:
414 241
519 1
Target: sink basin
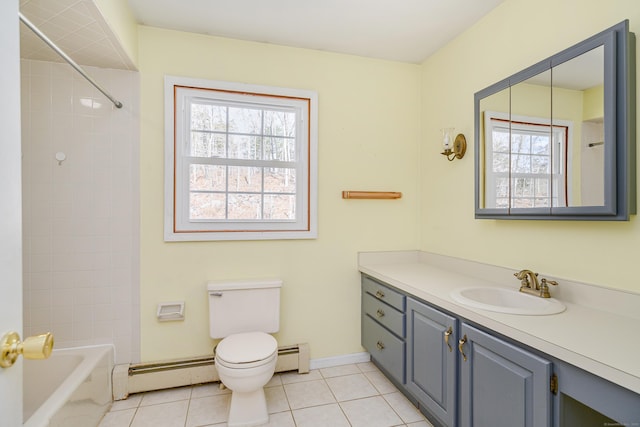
504 300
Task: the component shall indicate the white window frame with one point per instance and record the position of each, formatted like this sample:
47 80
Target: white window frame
179 91
559 172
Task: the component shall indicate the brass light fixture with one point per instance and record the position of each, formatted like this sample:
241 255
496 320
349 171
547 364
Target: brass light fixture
456 149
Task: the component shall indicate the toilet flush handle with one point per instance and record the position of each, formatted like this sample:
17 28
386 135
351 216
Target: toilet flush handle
215 294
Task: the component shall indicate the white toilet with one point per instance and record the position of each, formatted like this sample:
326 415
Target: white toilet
244 313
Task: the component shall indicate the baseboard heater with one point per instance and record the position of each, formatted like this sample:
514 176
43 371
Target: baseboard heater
141 377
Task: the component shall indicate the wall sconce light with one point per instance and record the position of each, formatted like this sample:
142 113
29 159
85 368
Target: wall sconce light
455 149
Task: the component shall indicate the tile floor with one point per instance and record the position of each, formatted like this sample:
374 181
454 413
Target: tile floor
356 395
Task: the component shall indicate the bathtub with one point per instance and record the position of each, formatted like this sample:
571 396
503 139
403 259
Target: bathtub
72 388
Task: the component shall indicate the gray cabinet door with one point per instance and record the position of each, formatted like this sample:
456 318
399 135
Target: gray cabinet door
431 362
501 385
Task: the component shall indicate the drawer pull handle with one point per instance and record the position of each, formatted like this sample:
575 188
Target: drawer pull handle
380 345
447 334
461 343
379 294
380 312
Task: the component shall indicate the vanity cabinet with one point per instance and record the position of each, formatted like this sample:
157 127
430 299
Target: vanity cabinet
431 359
501 385
383 327
458 374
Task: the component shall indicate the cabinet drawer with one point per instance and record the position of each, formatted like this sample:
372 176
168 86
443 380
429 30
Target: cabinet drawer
383 293
384 347
387 316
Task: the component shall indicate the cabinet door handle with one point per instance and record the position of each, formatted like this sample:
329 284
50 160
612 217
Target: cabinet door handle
461 343
379 294
447 334
380 345
380 312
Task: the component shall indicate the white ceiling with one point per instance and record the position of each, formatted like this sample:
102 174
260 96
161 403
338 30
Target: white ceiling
399 30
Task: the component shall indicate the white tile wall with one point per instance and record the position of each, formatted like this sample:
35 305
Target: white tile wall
80 217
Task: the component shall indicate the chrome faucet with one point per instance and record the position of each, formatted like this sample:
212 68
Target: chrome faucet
529 283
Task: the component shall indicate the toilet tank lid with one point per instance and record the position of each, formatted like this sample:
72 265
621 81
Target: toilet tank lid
229 285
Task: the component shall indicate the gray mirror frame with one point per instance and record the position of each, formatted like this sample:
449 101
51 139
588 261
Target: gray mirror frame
619 124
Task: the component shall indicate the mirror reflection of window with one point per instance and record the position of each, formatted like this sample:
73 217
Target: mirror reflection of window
525 152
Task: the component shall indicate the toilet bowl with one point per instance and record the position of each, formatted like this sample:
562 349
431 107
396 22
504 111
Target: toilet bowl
243 314
245 363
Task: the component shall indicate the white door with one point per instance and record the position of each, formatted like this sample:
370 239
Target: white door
10 208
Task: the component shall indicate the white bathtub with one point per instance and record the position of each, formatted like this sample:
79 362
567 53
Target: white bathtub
72 388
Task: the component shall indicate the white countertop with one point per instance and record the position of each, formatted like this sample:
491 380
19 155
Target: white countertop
598 331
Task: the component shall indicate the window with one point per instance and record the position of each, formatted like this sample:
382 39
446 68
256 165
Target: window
526 162
240 161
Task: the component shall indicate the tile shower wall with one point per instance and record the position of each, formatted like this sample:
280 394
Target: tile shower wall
80 214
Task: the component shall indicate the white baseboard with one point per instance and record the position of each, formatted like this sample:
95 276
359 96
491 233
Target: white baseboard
345 359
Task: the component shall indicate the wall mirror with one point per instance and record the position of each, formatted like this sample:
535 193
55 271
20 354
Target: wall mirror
557 139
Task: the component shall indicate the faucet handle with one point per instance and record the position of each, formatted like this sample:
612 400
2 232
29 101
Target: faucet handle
544 289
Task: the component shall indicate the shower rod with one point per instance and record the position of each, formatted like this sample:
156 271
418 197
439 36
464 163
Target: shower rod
66 57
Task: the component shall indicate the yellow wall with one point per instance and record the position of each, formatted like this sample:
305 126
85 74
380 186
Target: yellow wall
369 128
593 103
496 47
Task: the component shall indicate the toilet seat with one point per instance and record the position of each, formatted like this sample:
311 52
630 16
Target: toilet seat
246 350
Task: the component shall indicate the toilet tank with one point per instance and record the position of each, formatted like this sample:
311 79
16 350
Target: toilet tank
243 306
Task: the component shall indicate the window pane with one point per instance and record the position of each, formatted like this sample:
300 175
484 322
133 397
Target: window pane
520 143
203 206
280 180
282 149
500 163
540 144
281 206
208 117
502 187
541 202
245 178
502 203
280 123
501 141
207 178
245 147
520 163
542 187
523 187
540 164
244 206
205 144
245 120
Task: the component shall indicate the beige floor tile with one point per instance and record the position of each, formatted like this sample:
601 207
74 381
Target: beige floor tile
121 418
336 371
281 419
276 380
295 377
367 367
380 382
424 423
208 410
370 412
133 401
276 399
321 416
407 411
209 389
308 393
165 396
349 387
172 414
